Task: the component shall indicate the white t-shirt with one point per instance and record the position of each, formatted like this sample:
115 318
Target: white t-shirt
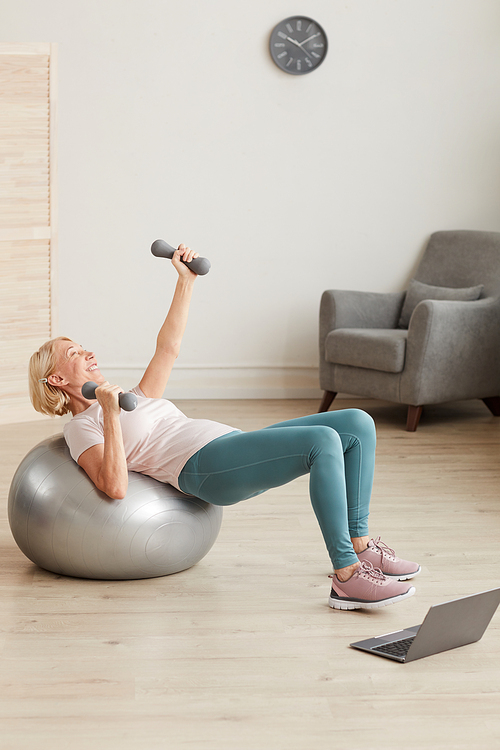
158 438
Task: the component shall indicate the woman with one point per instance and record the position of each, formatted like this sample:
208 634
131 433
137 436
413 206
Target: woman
218 463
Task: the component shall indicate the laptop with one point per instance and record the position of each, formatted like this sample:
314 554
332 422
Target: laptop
446 626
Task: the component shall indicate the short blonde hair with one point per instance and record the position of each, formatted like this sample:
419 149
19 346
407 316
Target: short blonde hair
46 398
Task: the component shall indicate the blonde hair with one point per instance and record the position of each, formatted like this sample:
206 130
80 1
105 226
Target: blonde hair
46 398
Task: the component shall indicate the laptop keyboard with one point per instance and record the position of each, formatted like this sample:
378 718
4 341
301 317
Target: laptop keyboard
396 648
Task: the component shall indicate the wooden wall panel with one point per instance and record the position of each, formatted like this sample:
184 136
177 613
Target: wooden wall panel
28 216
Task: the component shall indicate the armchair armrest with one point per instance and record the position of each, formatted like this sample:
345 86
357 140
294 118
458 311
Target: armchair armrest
453 351
340 308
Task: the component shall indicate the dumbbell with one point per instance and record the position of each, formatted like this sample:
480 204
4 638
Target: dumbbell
127 401
162 249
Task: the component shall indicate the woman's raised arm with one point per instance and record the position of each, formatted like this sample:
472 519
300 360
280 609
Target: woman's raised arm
169 339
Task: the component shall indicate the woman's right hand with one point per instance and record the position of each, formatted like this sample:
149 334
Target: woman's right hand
107 396
184 253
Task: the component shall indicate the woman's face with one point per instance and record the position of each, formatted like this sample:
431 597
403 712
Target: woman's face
75 366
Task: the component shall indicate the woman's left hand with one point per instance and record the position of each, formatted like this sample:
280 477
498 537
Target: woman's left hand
184 253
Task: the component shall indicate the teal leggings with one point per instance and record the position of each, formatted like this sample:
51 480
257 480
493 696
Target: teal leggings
336 449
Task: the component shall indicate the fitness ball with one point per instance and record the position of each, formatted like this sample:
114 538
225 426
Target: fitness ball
62 523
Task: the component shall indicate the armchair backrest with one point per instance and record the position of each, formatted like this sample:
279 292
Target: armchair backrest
462 258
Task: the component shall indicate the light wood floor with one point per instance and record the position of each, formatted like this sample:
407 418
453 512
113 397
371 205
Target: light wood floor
242 652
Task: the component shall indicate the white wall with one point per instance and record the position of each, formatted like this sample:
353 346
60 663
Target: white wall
175 123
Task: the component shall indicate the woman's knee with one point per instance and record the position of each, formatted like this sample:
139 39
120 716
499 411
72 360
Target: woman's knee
360 423
325 439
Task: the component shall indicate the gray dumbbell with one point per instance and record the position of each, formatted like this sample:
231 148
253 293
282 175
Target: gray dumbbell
127 401
162 249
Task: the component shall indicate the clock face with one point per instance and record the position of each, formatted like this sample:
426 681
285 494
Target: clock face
298 45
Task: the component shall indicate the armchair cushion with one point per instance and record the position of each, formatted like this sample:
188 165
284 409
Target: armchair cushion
417 291
371 348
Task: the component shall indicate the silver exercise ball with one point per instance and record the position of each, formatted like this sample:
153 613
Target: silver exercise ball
64 524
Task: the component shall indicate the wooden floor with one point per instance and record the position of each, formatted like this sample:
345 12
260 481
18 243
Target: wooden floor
242 652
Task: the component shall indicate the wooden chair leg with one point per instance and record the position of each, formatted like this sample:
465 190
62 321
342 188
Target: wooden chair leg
493 405
413 418
327 399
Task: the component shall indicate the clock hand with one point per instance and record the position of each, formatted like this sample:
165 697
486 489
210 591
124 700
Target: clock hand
298 44
309 38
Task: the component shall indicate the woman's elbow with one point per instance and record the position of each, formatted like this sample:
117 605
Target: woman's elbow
114 490
170 348
117 495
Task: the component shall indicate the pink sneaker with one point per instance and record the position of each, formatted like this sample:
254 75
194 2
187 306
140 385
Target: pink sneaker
383 557
368 588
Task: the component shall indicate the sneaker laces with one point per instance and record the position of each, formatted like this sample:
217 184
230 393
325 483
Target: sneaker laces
366 567
380 545
370 570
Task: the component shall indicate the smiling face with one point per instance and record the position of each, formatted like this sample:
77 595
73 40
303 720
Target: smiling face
75 366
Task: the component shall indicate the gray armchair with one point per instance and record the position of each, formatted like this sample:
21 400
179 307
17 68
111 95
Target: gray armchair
445 347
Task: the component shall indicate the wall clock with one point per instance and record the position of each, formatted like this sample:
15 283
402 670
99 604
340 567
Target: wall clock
298 45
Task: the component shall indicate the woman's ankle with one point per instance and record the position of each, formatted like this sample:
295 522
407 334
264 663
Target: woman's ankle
360 543
343 574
